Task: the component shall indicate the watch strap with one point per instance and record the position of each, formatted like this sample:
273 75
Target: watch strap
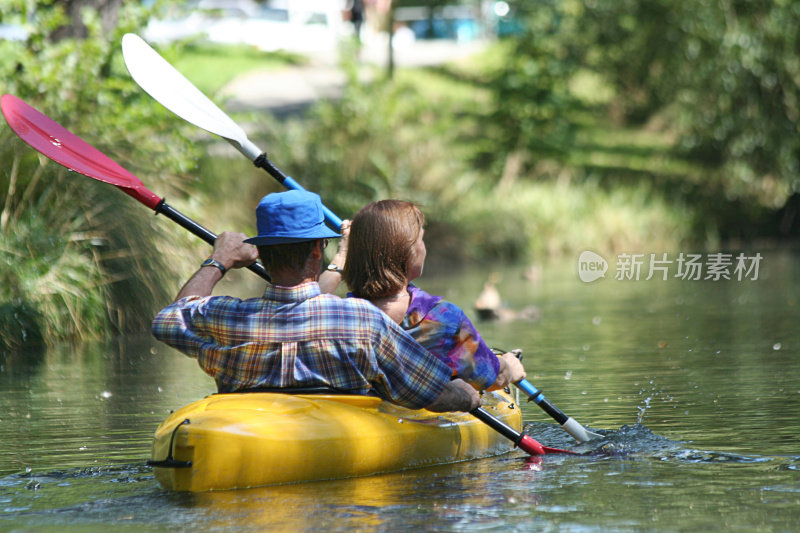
214 263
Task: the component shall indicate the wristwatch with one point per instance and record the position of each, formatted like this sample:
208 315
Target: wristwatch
211 262
333 268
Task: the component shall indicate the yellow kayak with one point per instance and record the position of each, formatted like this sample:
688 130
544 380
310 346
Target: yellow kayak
240 440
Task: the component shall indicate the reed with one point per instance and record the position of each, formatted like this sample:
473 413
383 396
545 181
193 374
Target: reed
79 259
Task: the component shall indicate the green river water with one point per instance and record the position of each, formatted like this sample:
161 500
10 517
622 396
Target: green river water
694 384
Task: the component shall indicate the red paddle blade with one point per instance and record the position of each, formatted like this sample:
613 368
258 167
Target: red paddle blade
531 445
67 149
558 450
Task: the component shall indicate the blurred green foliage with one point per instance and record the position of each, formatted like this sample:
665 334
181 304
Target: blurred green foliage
416 137
722 78
79 259
531 115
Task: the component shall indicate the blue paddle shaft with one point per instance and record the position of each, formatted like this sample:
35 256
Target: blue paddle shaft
264 162
330 217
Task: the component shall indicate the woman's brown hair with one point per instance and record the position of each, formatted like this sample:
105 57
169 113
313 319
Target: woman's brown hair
382 237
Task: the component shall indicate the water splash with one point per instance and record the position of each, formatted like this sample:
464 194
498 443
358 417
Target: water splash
653 392
643 410
637 441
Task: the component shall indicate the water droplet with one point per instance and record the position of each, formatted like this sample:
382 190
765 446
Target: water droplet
776 346
597 320
105 394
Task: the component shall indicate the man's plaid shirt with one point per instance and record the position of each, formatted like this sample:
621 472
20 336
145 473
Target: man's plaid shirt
297 337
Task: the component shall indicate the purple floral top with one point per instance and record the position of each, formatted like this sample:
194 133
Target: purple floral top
443 329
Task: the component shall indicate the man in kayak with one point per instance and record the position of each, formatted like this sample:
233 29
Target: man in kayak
294 336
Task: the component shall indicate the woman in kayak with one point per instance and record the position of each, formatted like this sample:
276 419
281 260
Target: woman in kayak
383 254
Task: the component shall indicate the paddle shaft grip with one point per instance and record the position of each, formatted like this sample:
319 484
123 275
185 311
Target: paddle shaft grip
173 214
263 161
525 443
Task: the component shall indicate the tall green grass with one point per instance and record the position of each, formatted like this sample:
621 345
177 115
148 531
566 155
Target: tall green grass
79 259
74 260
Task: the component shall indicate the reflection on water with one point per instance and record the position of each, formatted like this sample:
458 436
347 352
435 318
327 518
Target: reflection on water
694 387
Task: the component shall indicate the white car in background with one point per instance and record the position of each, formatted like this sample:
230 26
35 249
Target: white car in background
304 26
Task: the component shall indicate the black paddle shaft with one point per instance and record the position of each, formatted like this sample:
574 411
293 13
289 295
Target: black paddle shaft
498 425
176 216
264 162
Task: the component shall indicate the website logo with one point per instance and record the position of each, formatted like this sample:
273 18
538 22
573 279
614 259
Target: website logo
591 266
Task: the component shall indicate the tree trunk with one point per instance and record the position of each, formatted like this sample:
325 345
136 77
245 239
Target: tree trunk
108 11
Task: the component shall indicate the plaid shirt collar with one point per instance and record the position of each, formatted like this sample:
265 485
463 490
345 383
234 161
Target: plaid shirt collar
297 293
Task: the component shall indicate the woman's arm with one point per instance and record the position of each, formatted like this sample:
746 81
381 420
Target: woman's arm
511 371
329 279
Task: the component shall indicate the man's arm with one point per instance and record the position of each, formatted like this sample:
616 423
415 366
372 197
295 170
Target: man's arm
407 374
457 395
230 251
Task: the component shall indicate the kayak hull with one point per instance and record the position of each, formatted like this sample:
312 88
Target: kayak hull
228 441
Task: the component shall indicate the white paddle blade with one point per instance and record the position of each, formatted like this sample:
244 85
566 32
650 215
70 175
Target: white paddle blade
171 89
578 432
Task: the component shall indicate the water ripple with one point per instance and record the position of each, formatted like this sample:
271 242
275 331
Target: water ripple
638 441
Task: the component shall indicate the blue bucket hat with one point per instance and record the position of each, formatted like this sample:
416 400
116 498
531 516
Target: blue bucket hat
290 216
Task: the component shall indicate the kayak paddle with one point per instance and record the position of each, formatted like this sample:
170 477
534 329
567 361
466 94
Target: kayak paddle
569 424
67 149
171 89
523 441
